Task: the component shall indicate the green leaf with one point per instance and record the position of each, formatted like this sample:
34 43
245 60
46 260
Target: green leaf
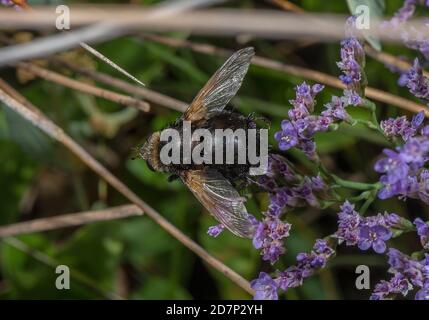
376 10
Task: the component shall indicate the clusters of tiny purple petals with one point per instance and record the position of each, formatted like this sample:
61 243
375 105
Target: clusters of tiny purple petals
415 81
307 264
403 172
402 15
398 284
265 287
352 63
286 190
411 37
299 130
395 127
351 51
423 232
365 232
407 274
269 236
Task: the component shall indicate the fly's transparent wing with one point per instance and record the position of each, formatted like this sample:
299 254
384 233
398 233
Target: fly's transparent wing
221 87
220 198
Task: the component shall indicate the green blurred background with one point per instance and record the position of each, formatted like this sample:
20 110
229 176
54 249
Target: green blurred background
134 258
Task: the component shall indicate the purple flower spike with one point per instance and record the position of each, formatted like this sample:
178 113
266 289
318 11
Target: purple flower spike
402 127
365 232
307 264
404 175
398 284
408 273
416 82
412 37
352 59
265 287
301 127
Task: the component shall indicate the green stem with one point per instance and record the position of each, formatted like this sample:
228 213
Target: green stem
368 202
374 124
355 185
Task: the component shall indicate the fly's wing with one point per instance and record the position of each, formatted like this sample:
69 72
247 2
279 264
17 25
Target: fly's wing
221 87
220 198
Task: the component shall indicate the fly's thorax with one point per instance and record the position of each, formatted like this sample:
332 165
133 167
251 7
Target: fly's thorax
150 152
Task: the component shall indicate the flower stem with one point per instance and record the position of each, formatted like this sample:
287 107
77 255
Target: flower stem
355 185
368 202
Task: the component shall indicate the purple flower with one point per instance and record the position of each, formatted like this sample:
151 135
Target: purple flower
287 137
398 284
375 237
408 273
7 2
404 176
10 3
305 97
415 271
307 264
265 287
352 98
415 81
278 167
352 59
348 224
403 14
400 126
299 130
336 109
366 232
214 231
269 236
423 293
423 232
306 190
411 37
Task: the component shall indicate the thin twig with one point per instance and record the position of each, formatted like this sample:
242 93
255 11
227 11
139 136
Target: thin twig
84 87
58 134
381 56
98 31
225 21
148 94
69 220
287 5
391 60
297 71
102 57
